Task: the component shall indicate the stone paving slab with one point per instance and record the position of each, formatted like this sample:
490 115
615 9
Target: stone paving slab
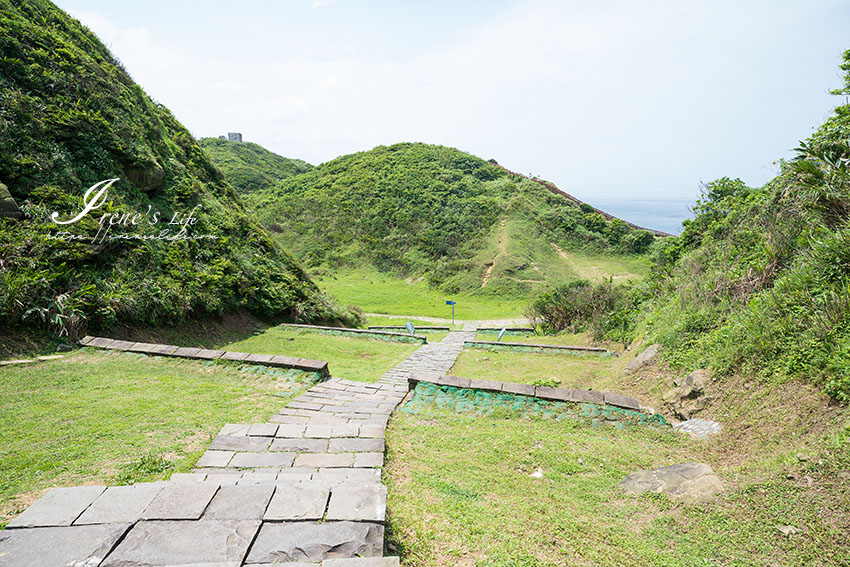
263 430
75 546
358 503
308 541
240 443
256 460
235 356
300 445
144 348
243 502
346 445
59 507
207 543
120 345
207 354
213 458
120 504
326 460
178 501
298 503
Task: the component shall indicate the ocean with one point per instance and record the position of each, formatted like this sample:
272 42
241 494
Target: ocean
661 214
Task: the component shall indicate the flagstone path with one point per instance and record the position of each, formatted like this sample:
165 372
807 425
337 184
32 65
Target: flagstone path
302 489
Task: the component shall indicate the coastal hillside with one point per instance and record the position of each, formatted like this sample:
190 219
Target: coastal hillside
438 214
169 240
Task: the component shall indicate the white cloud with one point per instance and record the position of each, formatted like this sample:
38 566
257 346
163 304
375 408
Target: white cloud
604 98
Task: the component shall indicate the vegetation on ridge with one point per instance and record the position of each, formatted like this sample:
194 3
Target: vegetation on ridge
70 116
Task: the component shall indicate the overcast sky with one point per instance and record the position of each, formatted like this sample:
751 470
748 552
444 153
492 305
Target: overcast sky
604 98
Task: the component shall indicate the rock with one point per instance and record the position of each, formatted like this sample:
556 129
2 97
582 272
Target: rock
8 206
647 357
687 483
147 178
538 473
309 541
698 379
788 530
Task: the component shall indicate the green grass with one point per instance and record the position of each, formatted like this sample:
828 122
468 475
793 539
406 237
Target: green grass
460 494
98 417
347 357
374 292
572 370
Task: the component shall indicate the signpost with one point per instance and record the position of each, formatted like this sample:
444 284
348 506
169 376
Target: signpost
452 303
410 328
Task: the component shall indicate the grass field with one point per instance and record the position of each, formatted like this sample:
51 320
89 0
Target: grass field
374 292
347 357
570 370
99 417
460 494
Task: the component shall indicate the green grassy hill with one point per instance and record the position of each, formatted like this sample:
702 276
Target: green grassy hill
71 116
249 167
461 223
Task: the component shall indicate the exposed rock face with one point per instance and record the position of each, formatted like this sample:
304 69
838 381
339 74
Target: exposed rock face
688 483
8 206
647 357
148 178
688 397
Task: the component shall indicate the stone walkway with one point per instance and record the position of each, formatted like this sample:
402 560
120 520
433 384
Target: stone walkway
302 489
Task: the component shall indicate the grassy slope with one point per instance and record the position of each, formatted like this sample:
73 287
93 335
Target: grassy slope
352 358
250 167
460 494
72 117
91 417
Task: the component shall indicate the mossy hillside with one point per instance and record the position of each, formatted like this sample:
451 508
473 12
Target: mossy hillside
250 167
71 117
460 222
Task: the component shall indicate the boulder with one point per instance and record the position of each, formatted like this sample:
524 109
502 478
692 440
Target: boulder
8 206
688 399
688 483
647 357
147 178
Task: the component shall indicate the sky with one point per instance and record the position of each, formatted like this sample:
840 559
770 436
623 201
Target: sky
606 99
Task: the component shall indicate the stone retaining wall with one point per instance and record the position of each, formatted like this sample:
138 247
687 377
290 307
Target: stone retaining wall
542 392
482 402
531 347
347 332
304 364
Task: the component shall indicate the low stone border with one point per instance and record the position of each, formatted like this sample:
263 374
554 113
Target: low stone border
542 392
305 364
349 332
530 347
508 330
428 328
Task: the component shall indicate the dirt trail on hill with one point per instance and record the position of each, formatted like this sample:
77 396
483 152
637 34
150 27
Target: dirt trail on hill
501 248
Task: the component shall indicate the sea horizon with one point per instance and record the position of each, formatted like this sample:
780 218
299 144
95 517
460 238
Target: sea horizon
661 214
